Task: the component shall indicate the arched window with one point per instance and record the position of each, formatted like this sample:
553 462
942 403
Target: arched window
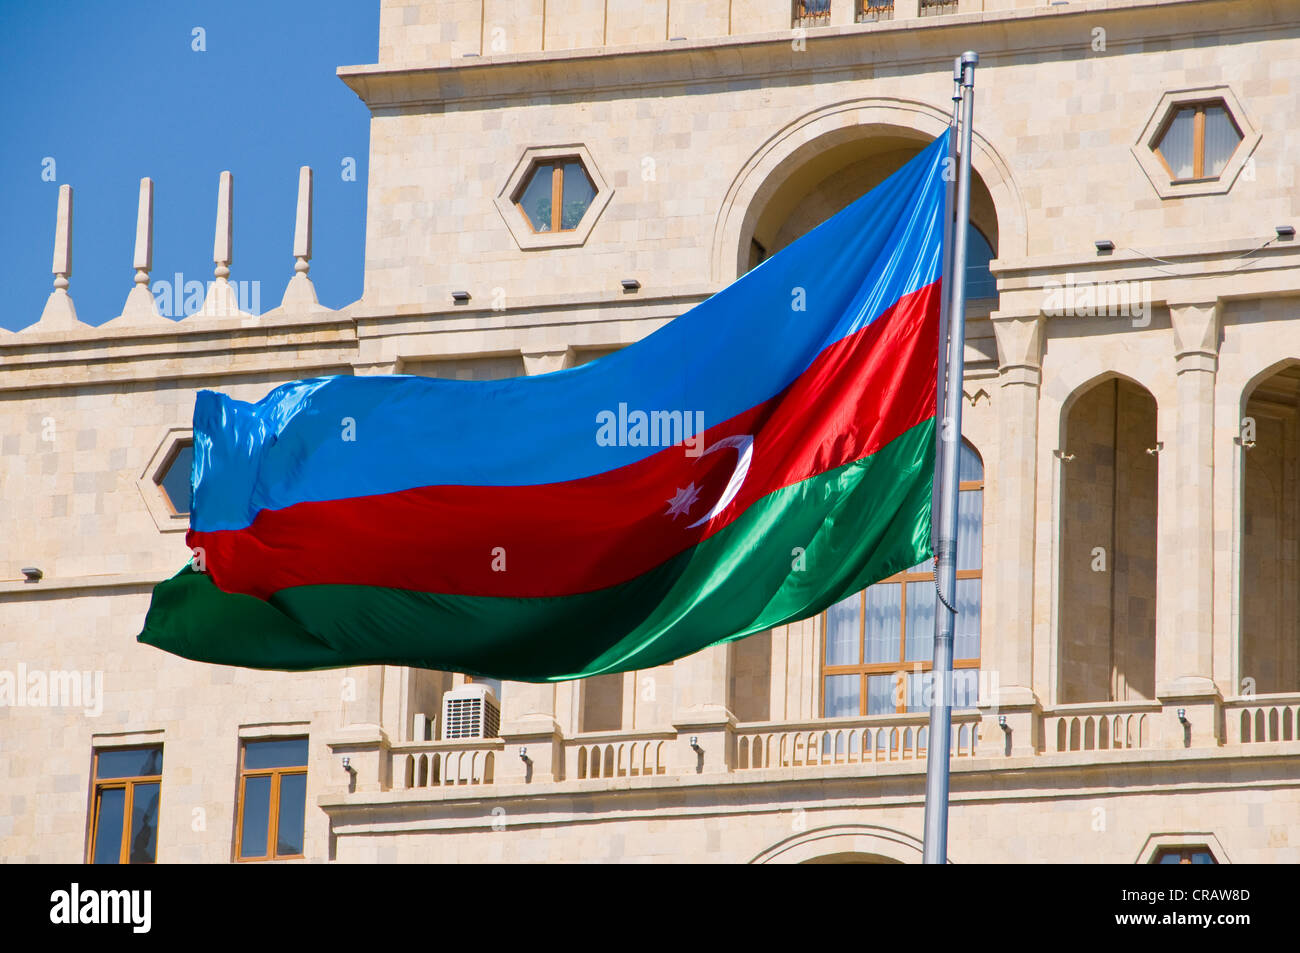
878 645
979 280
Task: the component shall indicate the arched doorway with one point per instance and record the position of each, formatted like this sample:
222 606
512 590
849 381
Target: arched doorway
1108 545
1270 578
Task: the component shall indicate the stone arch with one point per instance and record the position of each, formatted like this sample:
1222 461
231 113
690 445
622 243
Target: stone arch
1107 526
845 843
810 141
1268 591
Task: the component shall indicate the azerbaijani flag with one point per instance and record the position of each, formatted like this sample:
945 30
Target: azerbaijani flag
754 461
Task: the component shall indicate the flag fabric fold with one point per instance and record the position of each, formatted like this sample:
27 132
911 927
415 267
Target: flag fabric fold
757 459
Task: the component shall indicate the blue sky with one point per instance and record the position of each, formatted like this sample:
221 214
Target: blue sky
114 91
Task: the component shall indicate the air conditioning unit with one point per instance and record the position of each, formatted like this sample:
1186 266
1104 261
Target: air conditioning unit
471 711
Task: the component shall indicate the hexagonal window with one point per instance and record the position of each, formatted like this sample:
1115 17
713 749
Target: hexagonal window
556 194
1197 141
174 478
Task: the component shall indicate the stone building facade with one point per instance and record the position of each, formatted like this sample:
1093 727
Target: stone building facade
1132 387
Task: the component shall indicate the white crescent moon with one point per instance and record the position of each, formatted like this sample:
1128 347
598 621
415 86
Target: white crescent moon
744 446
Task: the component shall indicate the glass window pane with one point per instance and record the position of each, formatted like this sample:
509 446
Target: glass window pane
842 635
144 823
842 695
970 528
966 635
1202 857
1170 857
108 829
1176 145
969 467
920 621
280 753
880 695
965 688
578 193
176 481
1221 139
920 685
257 813
293 802
980 282
128 763
536 200
884 619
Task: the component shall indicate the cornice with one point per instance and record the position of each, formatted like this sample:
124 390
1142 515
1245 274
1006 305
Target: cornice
923 44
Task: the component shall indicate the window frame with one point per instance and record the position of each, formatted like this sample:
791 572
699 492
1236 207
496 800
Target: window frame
1198 139
556 164
273 803
98 786
162 471
865 669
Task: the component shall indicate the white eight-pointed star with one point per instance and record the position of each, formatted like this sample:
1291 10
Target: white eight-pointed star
681 503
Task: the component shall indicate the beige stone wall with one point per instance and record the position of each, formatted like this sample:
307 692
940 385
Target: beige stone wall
702 146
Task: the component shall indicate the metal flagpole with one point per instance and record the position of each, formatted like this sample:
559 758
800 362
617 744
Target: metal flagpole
945 615
941 388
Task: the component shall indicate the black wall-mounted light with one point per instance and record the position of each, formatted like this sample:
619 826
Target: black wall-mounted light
1104 245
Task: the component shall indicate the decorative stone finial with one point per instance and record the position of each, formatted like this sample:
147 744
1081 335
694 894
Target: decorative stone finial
300 295
222 302
59 313
140 307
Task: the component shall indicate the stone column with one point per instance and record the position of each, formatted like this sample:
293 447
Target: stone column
700 684
528 721
1184 643
1007 649
361 737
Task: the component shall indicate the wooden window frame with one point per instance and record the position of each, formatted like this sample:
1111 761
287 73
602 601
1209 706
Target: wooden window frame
557 193
864 669
1198 138
98 786
273 808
